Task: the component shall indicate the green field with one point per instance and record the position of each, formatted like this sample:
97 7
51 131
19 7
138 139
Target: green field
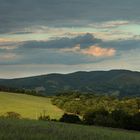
39 130
28 106
31 106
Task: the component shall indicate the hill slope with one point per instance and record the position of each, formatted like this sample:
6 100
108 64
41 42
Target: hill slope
122 82
28 106
39 130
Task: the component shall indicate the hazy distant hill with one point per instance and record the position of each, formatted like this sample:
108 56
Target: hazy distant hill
122 82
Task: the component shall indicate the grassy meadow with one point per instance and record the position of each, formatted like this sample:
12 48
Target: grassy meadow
39 130
28 106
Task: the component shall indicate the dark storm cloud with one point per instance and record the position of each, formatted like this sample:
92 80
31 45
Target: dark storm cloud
16 14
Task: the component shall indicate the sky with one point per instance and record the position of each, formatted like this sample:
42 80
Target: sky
63 36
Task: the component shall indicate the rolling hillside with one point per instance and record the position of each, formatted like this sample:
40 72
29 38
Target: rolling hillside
40 130
118 82
28 106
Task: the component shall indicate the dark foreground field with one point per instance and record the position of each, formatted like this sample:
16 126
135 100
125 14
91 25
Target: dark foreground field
39 130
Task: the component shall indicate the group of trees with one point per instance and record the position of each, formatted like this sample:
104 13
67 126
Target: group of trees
21 91
107 111
116 119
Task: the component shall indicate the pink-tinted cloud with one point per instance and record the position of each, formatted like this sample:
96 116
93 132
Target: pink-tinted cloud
96 51
99 51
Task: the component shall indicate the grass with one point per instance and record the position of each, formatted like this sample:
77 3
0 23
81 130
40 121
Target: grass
39 130
31 106
28 106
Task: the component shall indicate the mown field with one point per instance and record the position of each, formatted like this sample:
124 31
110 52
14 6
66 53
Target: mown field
28 106
39 130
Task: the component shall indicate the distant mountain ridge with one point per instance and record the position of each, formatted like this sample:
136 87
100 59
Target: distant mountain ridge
116 82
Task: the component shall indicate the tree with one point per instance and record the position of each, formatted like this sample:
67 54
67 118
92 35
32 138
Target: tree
98 117
70 118
121 119
136 122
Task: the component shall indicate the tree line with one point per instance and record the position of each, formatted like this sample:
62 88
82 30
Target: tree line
108 111
21 91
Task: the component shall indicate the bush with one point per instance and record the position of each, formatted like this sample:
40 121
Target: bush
121 119
53 120
44 117
70 118
98 117
136 122
89 117
12 115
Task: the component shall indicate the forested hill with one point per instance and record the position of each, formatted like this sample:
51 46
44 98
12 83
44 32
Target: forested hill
117 82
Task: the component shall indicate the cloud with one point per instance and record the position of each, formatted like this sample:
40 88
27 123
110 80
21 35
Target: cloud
21 14
99 52
95 51
74 49
52 21
5 40
6 47
38 29
7 57
64 42
123 45
110 24
7 44
67 50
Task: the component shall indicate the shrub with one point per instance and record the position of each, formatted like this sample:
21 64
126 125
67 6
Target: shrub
44 117
12 115
89 117
121 119
136 122
98 117
70 118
